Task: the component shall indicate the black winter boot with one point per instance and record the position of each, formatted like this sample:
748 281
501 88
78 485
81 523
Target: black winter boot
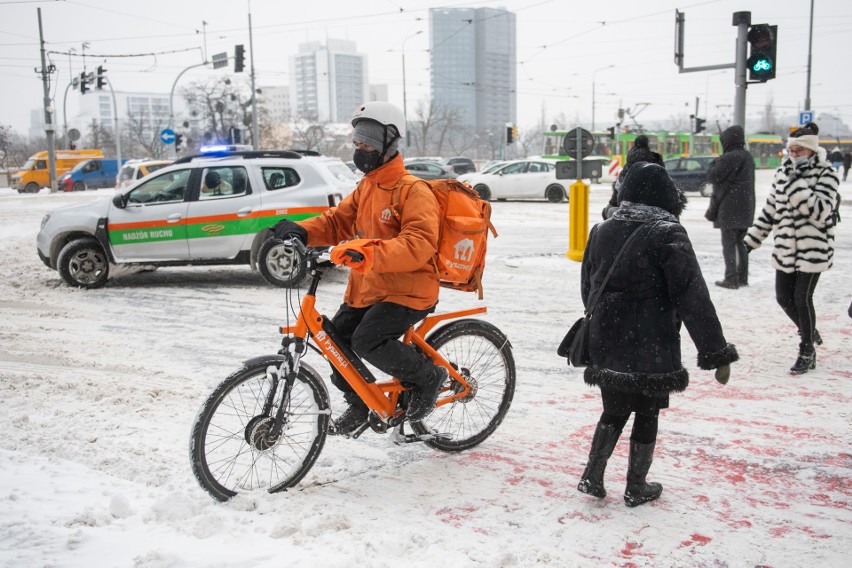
639 491
603 442
424 396
352 419
805 362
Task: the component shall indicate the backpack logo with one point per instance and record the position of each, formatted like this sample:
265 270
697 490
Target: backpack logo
464 249
386 215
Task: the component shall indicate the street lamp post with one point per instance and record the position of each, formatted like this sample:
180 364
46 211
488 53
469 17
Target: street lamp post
404 91
595 72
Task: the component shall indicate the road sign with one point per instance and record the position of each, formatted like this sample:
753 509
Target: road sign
567 169
220 60
569 143
167 136
805 117
73 134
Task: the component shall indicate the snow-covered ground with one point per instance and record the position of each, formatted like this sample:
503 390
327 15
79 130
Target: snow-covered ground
98 390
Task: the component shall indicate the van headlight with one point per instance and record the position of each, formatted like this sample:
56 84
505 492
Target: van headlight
44 220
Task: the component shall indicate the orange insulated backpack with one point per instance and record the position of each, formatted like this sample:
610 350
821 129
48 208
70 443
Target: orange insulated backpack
465 222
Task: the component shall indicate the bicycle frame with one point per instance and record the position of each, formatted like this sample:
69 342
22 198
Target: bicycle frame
380 396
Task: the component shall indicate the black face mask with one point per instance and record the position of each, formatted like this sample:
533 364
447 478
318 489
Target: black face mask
367 161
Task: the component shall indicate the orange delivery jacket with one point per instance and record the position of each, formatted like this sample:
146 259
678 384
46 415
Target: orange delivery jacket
403 271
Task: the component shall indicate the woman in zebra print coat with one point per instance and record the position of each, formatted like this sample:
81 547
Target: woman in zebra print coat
801 210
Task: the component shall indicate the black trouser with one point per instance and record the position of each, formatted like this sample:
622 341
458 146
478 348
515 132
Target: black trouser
373 333
794 292
644 426
735 253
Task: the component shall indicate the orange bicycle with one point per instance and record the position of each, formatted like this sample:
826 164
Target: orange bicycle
264 426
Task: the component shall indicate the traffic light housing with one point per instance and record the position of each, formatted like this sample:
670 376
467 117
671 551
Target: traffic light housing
510 134
100 78
84 83
239 58
611 131
699 124
178 142
761 63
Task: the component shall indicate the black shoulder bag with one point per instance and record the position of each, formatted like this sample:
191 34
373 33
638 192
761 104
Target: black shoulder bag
575 345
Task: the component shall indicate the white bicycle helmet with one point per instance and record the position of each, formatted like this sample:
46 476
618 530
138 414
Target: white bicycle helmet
382 112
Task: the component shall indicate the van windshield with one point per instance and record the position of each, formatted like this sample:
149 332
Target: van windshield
29 165
79 166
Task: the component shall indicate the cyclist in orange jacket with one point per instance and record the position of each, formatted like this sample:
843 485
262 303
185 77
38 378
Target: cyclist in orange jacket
396 284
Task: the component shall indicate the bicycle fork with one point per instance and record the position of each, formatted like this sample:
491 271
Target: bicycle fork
287 370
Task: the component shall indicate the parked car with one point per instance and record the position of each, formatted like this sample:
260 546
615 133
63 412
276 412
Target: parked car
35 175
486 169
91 174
520 179
461 165
429 170
200 210
690 173
134 170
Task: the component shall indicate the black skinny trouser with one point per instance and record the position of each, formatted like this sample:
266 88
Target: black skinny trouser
373 333
794 292
644 425
735 254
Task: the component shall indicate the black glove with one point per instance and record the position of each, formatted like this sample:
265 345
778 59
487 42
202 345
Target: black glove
723 374
287 229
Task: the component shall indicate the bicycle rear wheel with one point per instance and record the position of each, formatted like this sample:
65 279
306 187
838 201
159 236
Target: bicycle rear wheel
231 449
483 355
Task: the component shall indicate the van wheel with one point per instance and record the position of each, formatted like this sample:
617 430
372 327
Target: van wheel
78 186
555 194
32 187
483 191
281 265
83 263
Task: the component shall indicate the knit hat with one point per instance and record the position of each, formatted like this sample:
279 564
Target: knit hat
650 184
641 142
806 137
372 133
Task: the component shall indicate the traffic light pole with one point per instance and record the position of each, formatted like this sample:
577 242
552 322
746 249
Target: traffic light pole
117 131
48 110
742 20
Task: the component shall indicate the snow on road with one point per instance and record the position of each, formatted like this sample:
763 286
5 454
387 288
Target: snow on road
99 388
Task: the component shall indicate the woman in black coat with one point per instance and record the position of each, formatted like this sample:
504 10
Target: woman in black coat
634 334
731 205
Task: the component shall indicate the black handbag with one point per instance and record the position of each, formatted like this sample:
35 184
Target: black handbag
575 344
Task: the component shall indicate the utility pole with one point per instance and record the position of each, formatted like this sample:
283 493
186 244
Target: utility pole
810 45
48 108
255 138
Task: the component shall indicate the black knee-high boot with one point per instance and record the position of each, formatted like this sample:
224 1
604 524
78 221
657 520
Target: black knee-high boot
638 490
603 442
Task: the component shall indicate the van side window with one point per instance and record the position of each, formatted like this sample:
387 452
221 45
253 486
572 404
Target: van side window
40 165
278 178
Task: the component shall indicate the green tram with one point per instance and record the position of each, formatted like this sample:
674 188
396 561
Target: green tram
766 148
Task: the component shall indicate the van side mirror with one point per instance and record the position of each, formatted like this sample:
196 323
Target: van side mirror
119 201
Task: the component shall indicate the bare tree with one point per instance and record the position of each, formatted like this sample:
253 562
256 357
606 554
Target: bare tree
145 134
219 105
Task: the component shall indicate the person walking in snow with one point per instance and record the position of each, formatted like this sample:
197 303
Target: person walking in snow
731 207
801 211
847 163
634 334
396 283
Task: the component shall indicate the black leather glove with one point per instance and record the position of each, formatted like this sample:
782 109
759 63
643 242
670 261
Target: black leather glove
287 229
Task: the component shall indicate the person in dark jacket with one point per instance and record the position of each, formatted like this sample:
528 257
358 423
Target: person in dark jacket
640 152
634 334
732 203
847 163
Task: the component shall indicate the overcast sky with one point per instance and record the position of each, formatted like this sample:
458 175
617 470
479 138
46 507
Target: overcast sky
626 47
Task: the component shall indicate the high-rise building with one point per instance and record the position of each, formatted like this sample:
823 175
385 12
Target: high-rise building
276 101
327 81
473 60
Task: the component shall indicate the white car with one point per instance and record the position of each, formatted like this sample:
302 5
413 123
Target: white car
200 210
520 179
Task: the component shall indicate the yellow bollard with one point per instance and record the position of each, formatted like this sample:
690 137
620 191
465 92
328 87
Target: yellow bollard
578 219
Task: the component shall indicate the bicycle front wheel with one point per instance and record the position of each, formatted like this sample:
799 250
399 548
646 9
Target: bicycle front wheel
232 448
483 355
